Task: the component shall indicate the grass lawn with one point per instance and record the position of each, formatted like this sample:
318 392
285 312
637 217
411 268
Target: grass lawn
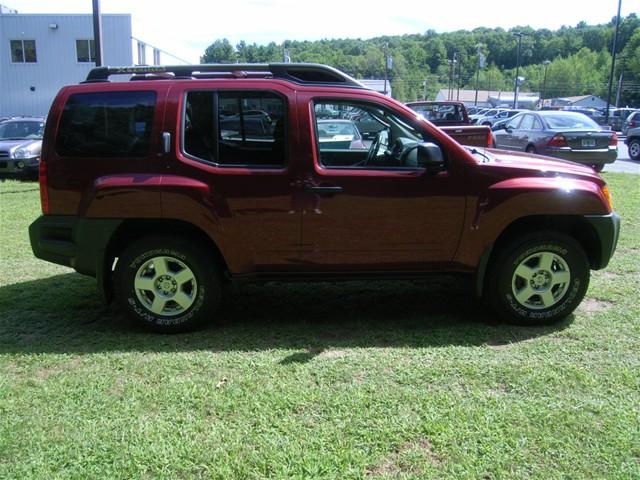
356 380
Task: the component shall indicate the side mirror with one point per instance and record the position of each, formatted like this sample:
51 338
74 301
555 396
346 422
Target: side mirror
431 158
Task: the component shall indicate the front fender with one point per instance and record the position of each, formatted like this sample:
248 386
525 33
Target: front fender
507 201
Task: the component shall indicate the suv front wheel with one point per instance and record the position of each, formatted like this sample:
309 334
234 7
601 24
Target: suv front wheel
166 284
538 279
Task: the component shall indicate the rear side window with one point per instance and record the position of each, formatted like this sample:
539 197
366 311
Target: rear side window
106 124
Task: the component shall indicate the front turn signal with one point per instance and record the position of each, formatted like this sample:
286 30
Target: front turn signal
608 197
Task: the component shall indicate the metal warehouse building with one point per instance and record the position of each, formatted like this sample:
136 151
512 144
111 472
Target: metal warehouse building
42 52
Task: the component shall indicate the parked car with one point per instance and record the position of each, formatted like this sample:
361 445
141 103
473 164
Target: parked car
632 121
452 117
494 116
617 117
132 195
633 143
566 135
20 145
447 113
339 134
593 113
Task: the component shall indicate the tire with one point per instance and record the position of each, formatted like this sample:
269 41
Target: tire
538 279
166 284
530 149
634 149
598 167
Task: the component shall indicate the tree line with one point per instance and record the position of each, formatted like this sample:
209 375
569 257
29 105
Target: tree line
576 60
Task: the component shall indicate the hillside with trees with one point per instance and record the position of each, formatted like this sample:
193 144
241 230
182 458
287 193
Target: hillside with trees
577 59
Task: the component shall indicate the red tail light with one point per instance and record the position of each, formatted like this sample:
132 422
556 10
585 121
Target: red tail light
44 194
558 140
613 141
490 139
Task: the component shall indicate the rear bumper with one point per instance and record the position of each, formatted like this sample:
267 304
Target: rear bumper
586 157
74 242
607 228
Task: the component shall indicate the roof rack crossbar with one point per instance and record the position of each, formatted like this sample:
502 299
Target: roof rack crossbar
302 73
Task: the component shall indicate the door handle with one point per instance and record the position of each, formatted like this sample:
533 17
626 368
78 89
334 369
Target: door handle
166 142
326 189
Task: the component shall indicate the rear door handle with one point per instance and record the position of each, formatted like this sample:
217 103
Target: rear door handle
326 189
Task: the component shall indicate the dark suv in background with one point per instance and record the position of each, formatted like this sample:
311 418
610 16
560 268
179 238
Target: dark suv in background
168 185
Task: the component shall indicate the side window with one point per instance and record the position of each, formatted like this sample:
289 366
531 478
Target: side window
515 122
537 124
236 128
360 135
527 123
106 124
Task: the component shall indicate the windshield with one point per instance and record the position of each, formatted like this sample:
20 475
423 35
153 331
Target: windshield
26 130
570 120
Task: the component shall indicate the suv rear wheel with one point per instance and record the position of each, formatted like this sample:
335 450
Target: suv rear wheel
166 284
538 279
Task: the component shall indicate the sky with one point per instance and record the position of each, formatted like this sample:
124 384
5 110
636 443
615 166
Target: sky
185 28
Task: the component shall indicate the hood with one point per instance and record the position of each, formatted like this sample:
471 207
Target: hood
11 145
538 165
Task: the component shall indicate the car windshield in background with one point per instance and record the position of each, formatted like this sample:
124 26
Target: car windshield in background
330 129
572 120
21 130
447 113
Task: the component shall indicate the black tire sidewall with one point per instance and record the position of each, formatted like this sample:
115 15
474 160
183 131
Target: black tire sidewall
637 142
502 274
200 263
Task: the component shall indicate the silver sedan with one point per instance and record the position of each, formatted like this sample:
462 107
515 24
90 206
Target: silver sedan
566 135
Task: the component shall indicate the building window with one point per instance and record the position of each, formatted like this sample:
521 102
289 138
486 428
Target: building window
85 51
23 51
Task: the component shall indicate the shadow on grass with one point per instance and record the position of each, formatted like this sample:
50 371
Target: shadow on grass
63 314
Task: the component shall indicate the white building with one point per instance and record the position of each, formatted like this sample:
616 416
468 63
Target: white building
40 53
584 101
489 99
377 85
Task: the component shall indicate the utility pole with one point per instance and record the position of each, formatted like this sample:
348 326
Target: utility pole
452 66
480 65
515 88
613 62
459 69
424 84
97 32
386 66
546 64
620 82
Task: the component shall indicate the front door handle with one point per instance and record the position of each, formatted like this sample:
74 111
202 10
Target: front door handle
166 142
323 189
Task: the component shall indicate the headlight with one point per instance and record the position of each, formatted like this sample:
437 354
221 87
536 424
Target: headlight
22 153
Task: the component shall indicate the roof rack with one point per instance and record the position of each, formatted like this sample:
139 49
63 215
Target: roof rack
301 73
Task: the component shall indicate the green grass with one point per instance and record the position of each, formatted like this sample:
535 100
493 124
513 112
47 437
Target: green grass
356 380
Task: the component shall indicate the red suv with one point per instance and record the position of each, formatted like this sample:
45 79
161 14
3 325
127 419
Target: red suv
168 185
